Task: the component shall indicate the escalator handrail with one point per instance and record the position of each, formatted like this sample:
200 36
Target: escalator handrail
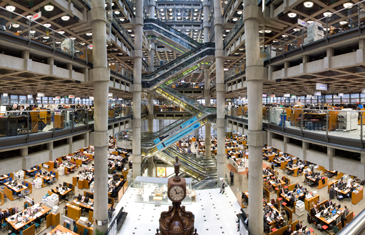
178 60
172 30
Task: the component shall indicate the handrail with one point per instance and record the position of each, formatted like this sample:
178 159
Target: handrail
356 226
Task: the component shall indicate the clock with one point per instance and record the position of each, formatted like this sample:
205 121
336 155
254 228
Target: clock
176 221
176 193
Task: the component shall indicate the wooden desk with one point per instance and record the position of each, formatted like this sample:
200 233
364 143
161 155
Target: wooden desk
83 227
333 218
308 202
73 212
357 197
62 229
295 170
14 188
86 206
31 219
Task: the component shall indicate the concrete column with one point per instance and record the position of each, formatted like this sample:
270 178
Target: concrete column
137 89
286 140
25 157
100 75
151 167
27 61
50 61
150 113
305 146
330 155
160 124
151 58
69 142
219 53
152 8
87 139
206 20
51 155
254 77
362 157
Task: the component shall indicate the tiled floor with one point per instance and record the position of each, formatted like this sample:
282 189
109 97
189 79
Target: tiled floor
214 213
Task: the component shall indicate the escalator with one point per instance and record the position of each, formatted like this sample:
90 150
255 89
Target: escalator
162 143
161 32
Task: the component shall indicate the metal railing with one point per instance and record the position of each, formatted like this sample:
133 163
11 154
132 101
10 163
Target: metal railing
42 34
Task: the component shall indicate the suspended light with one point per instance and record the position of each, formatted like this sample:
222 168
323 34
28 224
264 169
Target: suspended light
308 4
239 12
58 42
161 9
117 12
47 25
46 37
48 7
343 22
348 5
129 30
327 14
261 31
310 22
82 43
29 17
61 32
122 19
296 29
292 14
89 34
234 19
284 36
267 31
32 31
72 38
10 8
16 25
65 18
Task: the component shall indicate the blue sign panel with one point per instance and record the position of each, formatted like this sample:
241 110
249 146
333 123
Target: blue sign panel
156 141
180 135
159 147
188 122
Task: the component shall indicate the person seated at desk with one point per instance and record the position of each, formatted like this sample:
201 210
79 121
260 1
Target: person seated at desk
331 174
288 231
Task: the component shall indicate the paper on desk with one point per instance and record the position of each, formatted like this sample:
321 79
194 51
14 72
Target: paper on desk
38 214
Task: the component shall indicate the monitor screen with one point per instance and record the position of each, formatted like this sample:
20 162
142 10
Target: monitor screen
334 212
321 87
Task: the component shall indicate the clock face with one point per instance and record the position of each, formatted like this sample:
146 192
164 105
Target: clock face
176 193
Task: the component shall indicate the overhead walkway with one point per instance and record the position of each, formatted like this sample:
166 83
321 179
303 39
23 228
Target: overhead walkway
161 143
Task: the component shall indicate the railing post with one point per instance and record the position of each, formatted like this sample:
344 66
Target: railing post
301 122
327 27
361 131
327 116
28 127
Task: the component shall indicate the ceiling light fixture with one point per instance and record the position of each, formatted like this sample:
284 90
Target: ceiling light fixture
82 43
327 14
310 22
46 37
267 31
58 42
117 12
296 29
122 19
348 5
89 34
308 4
239 12
32 31
65 18
72 38
292 14
48 7
161 9
261 31
234 19
343 22
47 25
61 32
10 8
16 25
129 30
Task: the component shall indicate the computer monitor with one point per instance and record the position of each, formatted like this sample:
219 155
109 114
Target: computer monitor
334 212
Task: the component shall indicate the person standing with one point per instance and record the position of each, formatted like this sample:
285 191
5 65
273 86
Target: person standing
231 174
222 187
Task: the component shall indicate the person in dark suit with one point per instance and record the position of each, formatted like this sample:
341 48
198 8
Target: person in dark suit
6 214
299 225
332 192
1 217
288 231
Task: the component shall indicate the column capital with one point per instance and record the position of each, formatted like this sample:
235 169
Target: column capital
206 3
100 74
137 54
218 20
252 12
98 14
220 87
256 138
136 87
256 73
219 53
137 21
100 138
